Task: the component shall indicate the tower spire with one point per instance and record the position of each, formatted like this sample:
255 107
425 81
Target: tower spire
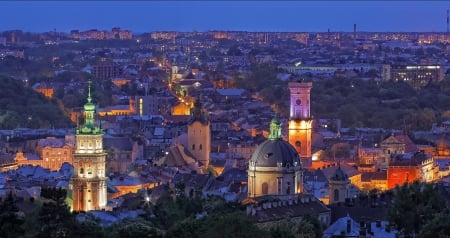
89 126
89 98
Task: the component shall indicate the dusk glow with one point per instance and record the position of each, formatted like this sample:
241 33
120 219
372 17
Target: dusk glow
298 16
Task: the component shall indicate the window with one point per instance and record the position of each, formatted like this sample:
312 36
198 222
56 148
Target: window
81 171
193 146
200 147
336 195
265 188
288 189
279 180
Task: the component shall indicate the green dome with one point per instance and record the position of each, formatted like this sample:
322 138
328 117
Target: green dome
89 106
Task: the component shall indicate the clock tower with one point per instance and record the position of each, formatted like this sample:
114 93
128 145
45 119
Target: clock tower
300 121
88 182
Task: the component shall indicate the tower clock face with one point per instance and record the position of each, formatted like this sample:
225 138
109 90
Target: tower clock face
298 102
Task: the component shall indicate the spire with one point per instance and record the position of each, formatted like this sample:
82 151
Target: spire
275 129
89 126
198 113
89 98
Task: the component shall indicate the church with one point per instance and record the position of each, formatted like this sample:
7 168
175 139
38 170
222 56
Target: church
87 187
194 153
274 167
275 184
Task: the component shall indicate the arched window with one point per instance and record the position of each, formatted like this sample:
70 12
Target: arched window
265 188
81 170
336 195
200 147
193 146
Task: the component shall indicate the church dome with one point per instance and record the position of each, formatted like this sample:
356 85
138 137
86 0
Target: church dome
275 152
339 175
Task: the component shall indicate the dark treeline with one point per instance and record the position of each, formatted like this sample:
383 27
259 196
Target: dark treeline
21 106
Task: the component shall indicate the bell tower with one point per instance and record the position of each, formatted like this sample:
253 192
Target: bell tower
199 134
88 183
300 121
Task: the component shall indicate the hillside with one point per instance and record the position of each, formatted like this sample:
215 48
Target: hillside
21 106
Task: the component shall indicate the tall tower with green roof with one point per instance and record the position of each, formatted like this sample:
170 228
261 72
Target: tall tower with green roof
88 183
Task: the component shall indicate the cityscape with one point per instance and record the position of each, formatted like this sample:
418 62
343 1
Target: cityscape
225 132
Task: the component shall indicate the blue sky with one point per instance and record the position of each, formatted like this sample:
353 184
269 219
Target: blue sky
302 16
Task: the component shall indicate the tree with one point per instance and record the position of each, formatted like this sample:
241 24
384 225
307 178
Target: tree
439 226
88 229
413 206
136 227
230 225
282 231
10 219
55 218
310 226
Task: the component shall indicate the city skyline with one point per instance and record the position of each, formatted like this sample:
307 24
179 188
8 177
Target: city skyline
284 16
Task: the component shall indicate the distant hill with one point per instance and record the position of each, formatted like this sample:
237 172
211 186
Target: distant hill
21 106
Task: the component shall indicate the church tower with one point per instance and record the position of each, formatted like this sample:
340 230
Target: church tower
300 121
88 183
338 186
199 134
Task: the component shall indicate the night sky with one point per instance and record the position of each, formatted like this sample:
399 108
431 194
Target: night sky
301 16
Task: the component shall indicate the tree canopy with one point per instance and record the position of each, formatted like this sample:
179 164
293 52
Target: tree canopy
415 205
21 106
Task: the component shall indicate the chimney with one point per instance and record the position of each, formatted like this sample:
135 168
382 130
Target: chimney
369 227
362 232
378 223
349 226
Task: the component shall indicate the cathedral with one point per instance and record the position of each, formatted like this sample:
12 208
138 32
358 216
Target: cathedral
274 168
88 183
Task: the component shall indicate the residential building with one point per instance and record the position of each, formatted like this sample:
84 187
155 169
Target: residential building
417 76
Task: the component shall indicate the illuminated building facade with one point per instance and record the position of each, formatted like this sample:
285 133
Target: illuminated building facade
420 167
300 121
417 76
274 168
51 153
106 71
88 183
146 105
44 89
199 134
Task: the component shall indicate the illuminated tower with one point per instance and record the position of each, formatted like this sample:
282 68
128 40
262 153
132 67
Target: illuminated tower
199 134
300 120
88 183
